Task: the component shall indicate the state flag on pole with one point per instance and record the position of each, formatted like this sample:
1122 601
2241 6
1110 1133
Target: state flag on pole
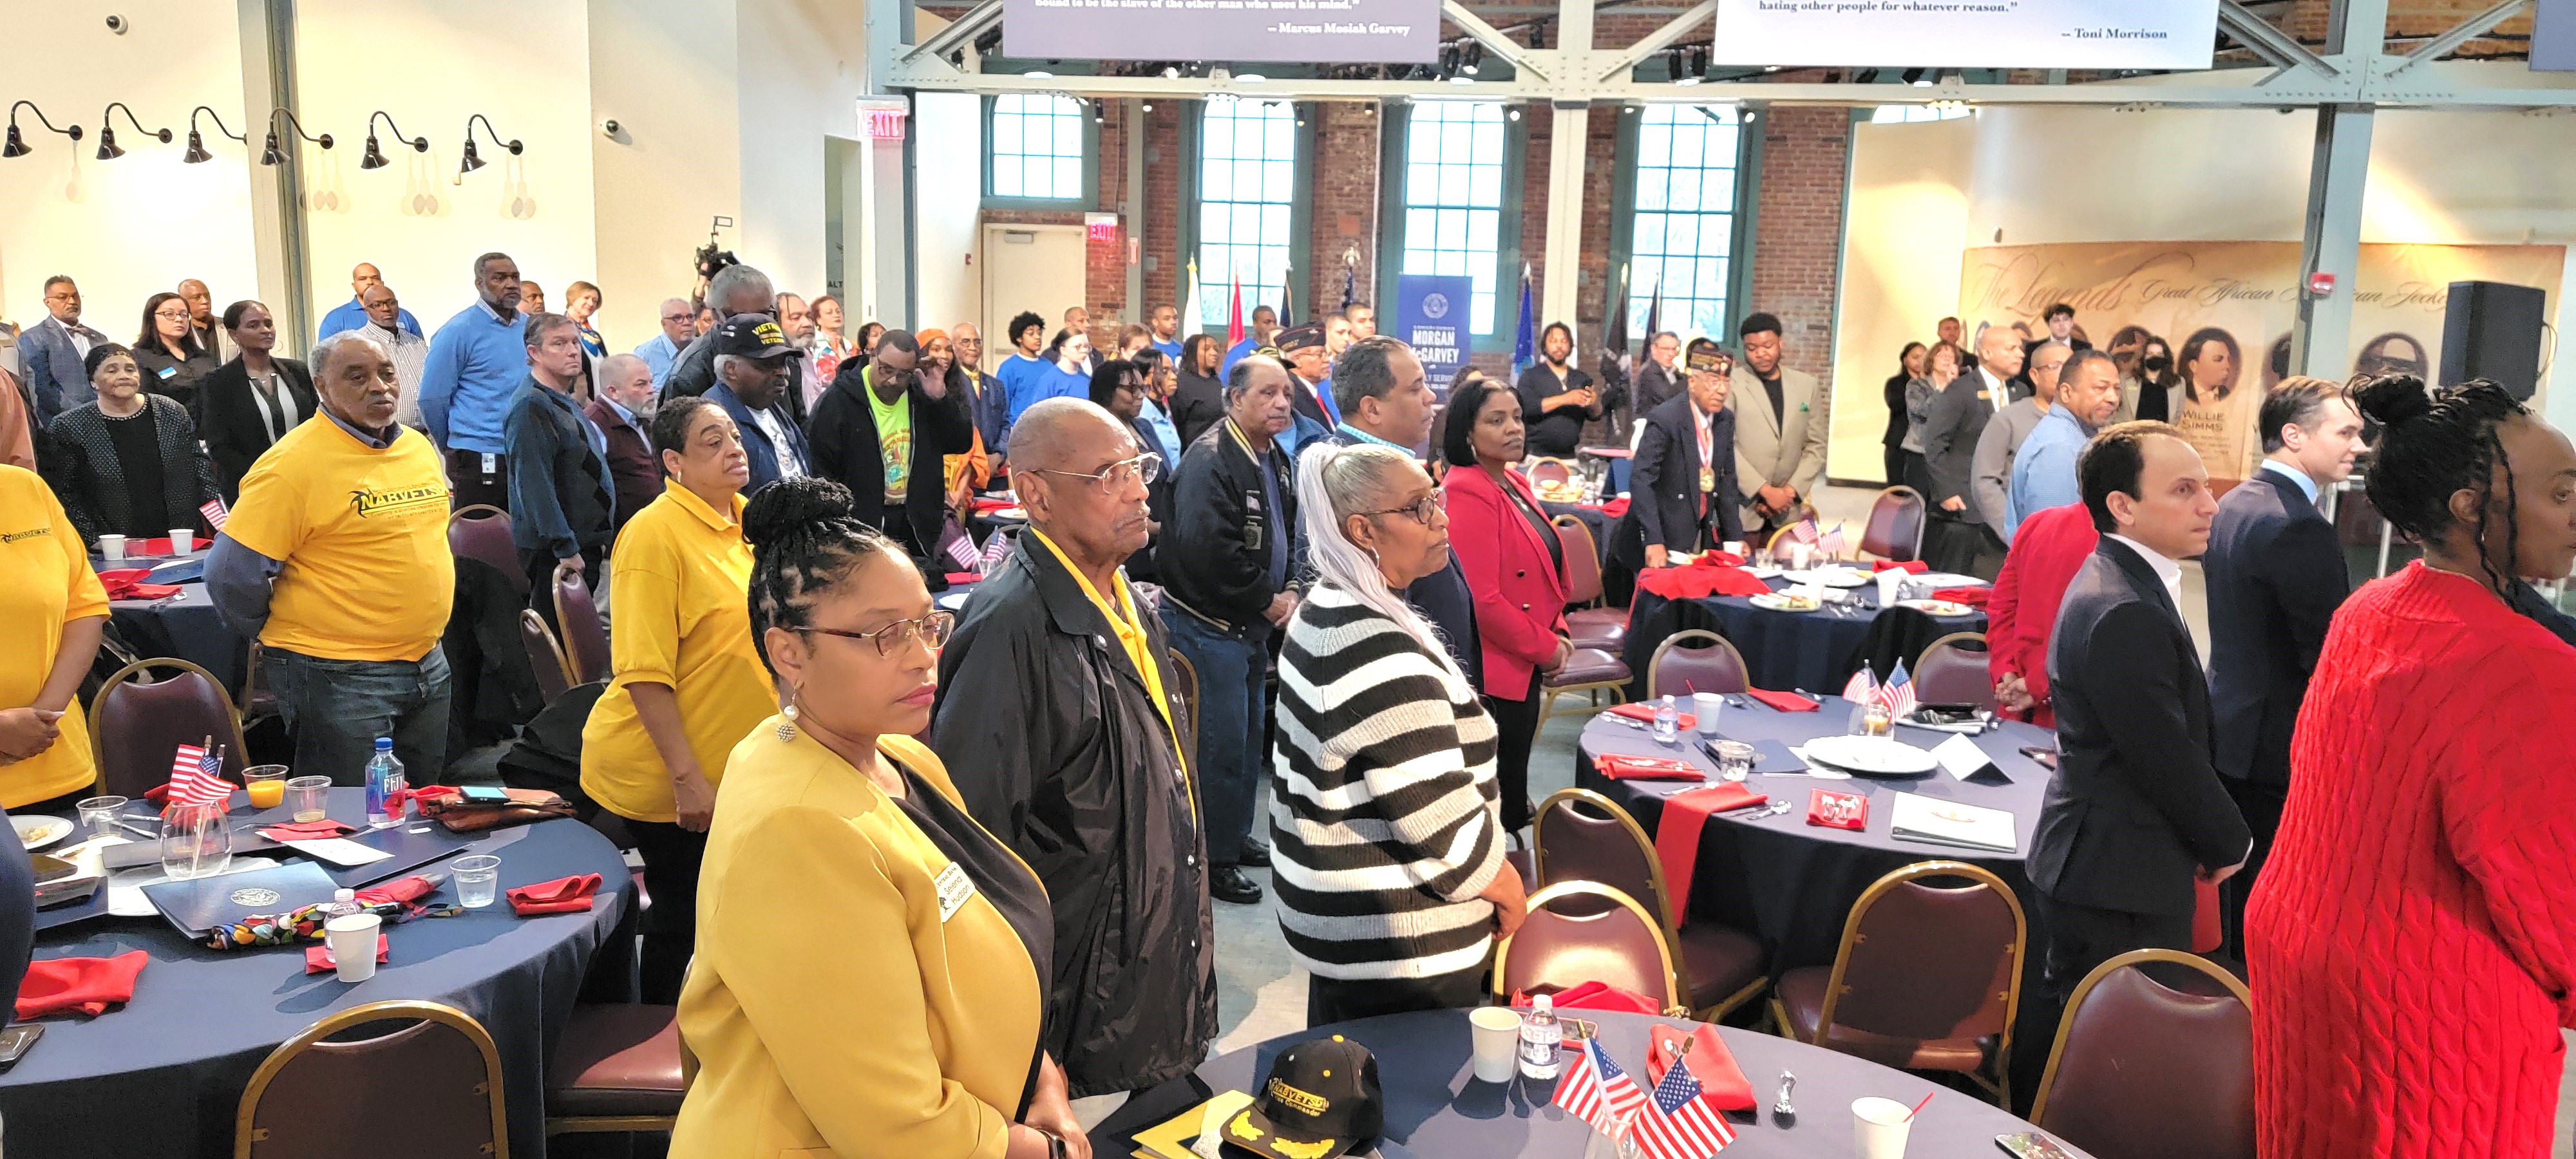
1680 1124
215 513
1596 1091
1898 693
195 777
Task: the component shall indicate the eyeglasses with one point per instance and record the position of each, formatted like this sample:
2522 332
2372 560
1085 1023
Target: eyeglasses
1420 510
933 630
1144 468
178 315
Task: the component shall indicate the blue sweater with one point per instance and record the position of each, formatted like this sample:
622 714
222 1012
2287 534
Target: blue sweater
473 371
1029 383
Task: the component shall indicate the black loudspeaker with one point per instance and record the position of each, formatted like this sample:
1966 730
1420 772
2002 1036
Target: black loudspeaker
2492 330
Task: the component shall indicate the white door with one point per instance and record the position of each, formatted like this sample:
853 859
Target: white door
1028 267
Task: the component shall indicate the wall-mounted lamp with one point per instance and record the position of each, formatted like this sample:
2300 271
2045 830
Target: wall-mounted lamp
107 150
17 146
474 160
375 158
197 142
270 154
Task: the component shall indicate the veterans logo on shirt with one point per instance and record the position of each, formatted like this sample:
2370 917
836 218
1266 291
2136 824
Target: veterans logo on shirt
368 503
29 533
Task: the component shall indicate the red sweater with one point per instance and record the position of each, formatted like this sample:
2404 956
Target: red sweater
2412 942
2047 550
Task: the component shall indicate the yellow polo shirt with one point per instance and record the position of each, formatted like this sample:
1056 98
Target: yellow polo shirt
45 583
1131 635
679 578
362 533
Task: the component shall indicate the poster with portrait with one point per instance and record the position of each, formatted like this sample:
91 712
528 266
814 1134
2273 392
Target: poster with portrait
2221 313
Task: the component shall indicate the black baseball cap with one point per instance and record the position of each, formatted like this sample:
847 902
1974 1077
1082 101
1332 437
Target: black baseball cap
1319 1101
1307 337
754 336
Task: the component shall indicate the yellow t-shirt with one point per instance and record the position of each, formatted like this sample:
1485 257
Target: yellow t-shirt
45 582
363 536
679 579
1131 635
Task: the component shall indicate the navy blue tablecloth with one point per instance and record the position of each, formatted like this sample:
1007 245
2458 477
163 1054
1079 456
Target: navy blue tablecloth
162 1077
1437 1109
1783 650
184 626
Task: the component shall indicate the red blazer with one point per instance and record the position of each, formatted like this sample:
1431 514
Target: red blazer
1520 595
2047 550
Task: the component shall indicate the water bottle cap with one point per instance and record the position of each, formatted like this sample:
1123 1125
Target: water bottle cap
384 744
1542 1002
344 895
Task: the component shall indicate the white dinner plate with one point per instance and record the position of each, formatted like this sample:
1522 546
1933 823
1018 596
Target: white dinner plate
1936 607
1832 577
1875 755
1780 602
39 832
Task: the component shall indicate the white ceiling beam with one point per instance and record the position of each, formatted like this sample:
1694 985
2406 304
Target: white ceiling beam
1518 54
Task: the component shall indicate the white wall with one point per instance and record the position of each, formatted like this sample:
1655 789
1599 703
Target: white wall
802 67
948 193
663 70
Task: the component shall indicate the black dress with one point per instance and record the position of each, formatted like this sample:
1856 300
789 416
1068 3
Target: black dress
138 453
175 376
1555 433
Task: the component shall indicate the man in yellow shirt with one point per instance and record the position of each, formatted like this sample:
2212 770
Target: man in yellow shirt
336 558
1060 714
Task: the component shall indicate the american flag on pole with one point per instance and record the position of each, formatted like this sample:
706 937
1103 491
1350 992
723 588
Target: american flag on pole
1804 530
195 777
961 551
1898 693
994 549
1862 685
1681 1124
215 513
1596 1091
1832 543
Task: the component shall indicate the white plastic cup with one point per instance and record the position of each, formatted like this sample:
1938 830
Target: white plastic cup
352 940
182 541
1704 705
111 546
1879 1127
1496 1036
1891 587
1735 547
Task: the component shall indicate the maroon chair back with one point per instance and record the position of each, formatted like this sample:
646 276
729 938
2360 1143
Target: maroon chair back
1549 471
1953 671
2142 1069
585 635
1922 961
1895 526
1582 560
1617 944
1584 836
482 532
135 726
1696 660
545 657
438 1078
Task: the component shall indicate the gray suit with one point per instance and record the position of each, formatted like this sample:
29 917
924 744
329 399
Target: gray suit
1993 461
1768 452
51 364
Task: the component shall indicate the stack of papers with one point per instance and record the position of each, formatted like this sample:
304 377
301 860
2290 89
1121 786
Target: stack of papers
1938 822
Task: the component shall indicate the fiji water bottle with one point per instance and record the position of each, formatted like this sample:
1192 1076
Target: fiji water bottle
1668 723
1539 1036
385 784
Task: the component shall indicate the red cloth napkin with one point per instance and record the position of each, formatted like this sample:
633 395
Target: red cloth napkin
1620 767
1593 996
2204 917
88 985
1700 580
1646 713
965 577
305 830
563 895
1911 566
1782 701
1677 835
988 506
317 959
126 583
1615 508
401 889
1721 1082
1973 597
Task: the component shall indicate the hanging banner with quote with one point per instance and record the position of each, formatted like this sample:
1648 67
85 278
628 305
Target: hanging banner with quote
1312 31
1968 33
2224 311
1431 317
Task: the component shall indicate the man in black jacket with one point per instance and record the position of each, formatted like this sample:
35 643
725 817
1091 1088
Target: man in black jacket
882 431
1061 717
1684 472
1226 565
2275 575
1958 539
2135 812
1385 398
562 500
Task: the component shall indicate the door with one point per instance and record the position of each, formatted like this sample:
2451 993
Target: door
1028 267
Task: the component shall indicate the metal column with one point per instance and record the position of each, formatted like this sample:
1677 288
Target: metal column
276 205
1567 135
2338 173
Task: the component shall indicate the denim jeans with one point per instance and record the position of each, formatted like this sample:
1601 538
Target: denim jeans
1231 667
336 709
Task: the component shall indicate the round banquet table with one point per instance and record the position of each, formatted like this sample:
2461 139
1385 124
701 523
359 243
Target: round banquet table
1782 650
1437 1109
186 627
163 1075
1594 519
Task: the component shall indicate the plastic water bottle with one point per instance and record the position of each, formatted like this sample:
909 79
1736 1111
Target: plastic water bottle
1668 723
385 784
343 904
1539 1036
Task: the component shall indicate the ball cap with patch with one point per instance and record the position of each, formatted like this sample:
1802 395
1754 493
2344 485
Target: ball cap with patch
1296 338
1319 1101
753 336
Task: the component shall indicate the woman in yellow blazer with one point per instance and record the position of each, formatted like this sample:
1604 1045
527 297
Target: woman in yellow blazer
53 607
867 980
687 684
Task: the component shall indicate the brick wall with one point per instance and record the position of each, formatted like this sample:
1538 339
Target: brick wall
1343 195
1798 228
2411 20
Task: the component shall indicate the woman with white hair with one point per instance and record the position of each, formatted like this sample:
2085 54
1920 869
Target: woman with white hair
1388 846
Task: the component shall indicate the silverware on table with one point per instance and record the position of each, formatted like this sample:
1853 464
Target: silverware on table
1615 718
1780 1105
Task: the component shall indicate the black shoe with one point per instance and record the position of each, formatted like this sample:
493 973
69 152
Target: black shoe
1255 854
1228 883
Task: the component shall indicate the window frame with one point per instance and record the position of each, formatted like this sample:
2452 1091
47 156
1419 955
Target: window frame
1740 237
1300 214
1508 250
1089 199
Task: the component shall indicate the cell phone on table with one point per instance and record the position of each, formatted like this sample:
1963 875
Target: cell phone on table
484 795
2031 1145
16 1041
2047 758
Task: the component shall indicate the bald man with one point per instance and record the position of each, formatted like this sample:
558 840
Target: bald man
201 318
1084 774
679 328
1958 539
348 315
622 410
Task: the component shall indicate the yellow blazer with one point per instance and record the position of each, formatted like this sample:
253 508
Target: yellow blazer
831 1009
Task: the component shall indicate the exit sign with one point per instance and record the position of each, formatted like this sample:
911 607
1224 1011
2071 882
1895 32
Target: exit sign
885 124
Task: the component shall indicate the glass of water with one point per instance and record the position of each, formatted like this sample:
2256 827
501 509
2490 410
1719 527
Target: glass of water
1734 760
478 880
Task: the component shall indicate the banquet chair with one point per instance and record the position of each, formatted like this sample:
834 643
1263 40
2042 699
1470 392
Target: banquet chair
1611 940
436 1083
1590 671
1683 666
2141 1069
482 531
1591 625
1927 977
1544 470
1584 836
585 635
620 1067
1953 672
253 700
545 656
1894 529
135 724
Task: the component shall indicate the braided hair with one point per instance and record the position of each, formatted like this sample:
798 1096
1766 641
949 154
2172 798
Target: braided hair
2435 443
804 541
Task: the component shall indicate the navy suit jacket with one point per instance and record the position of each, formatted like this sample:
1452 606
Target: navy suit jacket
1663 484
2275 575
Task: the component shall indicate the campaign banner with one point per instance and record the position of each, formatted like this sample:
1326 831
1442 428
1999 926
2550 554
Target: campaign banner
1309 31
1431 317
2178 34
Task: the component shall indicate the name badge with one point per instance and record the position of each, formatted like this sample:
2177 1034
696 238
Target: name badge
169 372
492 462
1982 396
954 888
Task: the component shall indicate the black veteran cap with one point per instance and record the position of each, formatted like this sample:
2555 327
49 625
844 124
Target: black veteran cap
1296 338
1320 1100
753 336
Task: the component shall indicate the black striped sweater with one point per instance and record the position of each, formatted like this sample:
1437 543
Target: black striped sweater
1386 825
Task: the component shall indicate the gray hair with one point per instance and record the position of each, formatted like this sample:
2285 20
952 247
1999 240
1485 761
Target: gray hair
328 349
724 360
616 365
752 282
542 325
1366 369
1335 483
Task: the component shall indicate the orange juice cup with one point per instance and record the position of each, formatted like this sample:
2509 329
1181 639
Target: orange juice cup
266 785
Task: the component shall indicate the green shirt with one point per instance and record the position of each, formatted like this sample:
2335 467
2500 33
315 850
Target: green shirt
894 436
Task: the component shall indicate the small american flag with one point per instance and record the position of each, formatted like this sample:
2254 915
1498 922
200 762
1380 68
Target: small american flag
1832 543
1862 685
1682 1125
215 513
995 548
196 777
961 551
1898 693
1804 530
1596 1091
